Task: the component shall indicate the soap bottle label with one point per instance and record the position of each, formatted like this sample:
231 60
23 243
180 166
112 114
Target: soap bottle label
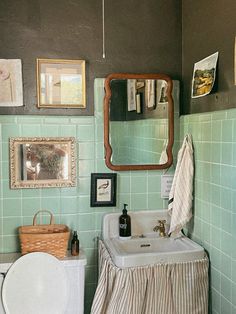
123 226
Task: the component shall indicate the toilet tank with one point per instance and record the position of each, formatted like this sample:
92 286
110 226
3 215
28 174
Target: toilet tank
75 269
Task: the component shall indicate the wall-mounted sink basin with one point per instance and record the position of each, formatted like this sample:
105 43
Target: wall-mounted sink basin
150 249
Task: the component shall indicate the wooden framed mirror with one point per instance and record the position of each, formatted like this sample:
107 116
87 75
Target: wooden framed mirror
138 121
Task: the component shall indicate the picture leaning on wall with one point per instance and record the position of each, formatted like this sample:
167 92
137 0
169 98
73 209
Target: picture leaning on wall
204 74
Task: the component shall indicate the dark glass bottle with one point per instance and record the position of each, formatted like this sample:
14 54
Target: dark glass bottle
125 224
75 244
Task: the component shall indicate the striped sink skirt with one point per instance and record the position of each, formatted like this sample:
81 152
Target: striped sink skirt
178 288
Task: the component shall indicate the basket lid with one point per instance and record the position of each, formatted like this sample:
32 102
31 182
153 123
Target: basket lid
35 283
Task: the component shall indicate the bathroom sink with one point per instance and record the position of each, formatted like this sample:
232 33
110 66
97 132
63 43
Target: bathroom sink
147 248
146 251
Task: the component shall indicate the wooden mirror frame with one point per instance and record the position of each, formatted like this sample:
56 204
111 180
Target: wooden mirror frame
107 145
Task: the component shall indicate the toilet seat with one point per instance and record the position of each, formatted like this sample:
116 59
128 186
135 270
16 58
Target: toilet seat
35 284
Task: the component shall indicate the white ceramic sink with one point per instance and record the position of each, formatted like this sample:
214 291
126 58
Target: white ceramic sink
150 249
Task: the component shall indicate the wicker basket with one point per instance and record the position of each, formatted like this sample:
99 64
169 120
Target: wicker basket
52 238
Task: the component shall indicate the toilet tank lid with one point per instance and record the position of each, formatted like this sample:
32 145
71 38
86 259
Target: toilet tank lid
7 259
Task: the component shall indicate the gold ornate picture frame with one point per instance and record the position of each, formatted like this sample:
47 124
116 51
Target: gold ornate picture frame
61 83
38 162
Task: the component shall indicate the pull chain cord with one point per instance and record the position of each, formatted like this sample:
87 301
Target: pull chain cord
103 30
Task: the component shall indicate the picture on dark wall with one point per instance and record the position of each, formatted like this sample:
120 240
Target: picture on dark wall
204 76
11 88
61 83
103 189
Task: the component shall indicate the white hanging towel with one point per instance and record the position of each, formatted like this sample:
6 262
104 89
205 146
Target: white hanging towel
181 193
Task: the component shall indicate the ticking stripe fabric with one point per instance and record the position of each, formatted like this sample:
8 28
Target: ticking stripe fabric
181 193
180 288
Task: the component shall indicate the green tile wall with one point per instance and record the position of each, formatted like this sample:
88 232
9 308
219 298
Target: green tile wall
214 227
71 206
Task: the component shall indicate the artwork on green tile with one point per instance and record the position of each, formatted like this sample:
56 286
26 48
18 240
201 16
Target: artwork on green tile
103 189
42 162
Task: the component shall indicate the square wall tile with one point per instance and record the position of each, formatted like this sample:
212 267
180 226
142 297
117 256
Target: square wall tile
85 133
11 244
216 131
12 207
138 184
10 130
69 205
227 131
11 224
138 201
31 205
86 222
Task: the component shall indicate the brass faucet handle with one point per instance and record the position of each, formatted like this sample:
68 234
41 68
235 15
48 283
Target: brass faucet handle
156 228
162 223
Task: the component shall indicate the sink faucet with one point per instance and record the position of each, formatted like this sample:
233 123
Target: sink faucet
161 228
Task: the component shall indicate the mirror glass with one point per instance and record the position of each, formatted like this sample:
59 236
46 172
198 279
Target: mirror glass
42 162
140 118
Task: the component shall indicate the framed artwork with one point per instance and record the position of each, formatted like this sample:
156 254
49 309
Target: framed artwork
37 162
61 83
11 88
103 189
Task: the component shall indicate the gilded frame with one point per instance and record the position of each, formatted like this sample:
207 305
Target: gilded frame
42 162
61 83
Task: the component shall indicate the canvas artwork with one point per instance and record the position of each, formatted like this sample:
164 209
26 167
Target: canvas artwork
11 89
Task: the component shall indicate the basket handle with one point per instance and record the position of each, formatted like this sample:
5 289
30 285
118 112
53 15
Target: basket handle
46 211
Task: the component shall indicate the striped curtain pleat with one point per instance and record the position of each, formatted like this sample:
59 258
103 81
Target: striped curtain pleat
179 288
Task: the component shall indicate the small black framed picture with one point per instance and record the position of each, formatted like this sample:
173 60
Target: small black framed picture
103 189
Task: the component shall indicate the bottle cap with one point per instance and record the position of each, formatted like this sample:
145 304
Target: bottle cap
125 210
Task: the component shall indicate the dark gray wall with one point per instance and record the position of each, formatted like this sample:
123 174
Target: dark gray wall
141 36
209 26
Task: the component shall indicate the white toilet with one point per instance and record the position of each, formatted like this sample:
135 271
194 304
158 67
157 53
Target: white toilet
39 283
